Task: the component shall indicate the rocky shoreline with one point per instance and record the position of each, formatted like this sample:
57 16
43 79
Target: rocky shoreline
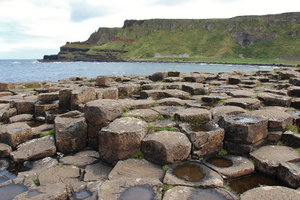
164 136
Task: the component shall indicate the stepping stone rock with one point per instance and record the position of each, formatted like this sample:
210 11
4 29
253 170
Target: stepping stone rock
166 147
289 172
137 104
195 88
15 134
25 106
234 80
192 173
147 114
242 94
244 128
81 159
121 139
219 112
294 91
99 114
246 103
291 139
136 168
81 96
128 89
96 172
171 102
242 149
70 132
4 150
188 193
47 191
206 139
36 167
107 93
193 115
102 81
64 97
48 97
271 193
270 99
214 97
163 123
128 188
277 120
168 111
240 166
59 174
21 118
102 112
40 107
269 157
34 149
158 76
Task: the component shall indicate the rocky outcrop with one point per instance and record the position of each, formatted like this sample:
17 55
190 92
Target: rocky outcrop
240 33
123 145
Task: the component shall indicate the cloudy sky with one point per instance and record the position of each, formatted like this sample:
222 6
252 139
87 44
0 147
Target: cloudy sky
32 28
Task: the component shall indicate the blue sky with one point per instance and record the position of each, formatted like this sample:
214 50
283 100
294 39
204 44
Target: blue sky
33 28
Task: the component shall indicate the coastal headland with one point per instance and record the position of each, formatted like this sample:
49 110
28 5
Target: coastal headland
268 39
170 134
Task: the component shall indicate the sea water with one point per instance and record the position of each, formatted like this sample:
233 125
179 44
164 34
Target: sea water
33 70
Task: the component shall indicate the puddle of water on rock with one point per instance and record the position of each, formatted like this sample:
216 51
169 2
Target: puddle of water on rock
207 194
8 192
35 124
33 193
3 179
220 162
189 172
241 119
254 180
200 128
82 194
140 192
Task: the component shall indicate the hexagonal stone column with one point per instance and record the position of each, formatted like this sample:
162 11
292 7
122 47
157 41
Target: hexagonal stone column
244 128
166 147
70 132
15 134
121 139
194 115
243 132
277 120
206 138
271 192
99 114
269 157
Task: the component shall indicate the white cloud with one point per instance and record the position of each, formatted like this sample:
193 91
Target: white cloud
36 24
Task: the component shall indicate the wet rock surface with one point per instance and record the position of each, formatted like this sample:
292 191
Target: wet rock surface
192 174
230 166
116 136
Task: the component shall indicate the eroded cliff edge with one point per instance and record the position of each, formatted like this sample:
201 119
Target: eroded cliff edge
274 37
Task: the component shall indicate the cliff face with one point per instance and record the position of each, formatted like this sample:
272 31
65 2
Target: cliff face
269 36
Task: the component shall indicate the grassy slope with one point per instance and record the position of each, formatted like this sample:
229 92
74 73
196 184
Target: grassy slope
208 45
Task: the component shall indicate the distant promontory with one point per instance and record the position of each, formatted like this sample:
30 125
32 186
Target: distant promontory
245 39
